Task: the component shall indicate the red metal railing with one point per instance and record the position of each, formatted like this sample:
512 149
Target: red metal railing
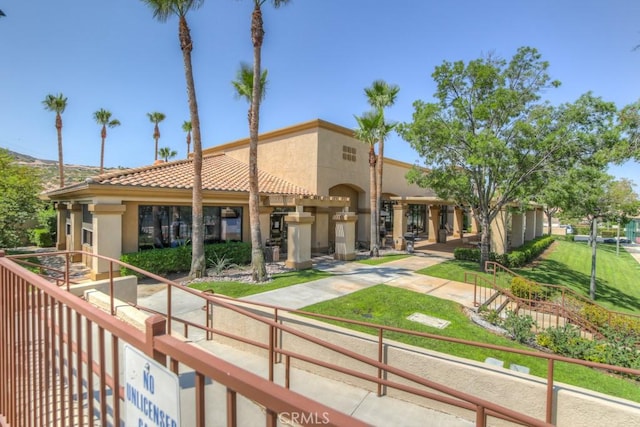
565 303
421 386
60 362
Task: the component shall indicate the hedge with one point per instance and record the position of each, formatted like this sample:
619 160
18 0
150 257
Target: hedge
178 260
516 258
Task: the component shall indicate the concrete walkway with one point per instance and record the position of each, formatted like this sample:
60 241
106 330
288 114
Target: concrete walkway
348 277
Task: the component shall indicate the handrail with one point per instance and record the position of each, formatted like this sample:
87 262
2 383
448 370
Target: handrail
566 293
481 406
276 399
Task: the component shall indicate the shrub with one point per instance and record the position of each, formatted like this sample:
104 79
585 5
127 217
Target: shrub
519 327
41 237
467 254
527 289
175 260
516 258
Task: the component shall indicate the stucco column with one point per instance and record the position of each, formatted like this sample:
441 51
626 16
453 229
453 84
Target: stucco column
399 225
434 222
539 222
61 235
74 243
499 232
320 231
265 223
458 221
299 240
517 229
345 249
107 238
530 225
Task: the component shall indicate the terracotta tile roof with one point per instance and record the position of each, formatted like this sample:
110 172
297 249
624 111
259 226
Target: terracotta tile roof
219 173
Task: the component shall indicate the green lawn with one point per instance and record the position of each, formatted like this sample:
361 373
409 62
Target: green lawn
383 259
390 306
282 280
569 264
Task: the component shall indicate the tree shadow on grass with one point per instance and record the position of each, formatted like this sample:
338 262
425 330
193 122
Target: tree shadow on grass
556 273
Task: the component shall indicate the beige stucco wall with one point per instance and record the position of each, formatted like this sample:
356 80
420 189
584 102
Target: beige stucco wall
511 389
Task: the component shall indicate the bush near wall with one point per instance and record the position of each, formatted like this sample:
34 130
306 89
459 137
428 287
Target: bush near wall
177 260
41 237
516 258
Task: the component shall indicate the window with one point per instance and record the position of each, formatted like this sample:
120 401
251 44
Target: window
348 153
170 226
87 226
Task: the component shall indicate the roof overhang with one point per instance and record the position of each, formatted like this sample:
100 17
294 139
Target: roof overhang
316 201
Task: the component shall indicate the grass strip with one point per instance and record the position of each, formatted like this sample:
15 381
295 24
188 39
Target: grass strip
281 280
386 305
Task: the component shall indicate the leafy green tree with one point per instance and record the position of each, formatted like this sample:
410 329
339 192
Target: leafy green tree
629 120
156 118
19 202
162 10
244 89
380 96
167 153
488 137
57 104
103 118
593 195
186 126
259 272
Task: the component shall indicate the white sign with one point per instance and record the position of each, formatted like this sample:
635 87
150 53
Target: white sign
152 392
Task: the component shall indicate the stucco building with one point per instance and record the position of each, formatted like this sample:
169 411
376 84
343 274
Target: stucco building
314 186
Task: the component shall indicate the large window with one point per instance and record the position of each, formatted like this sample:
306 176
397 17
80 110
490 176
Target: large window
170 226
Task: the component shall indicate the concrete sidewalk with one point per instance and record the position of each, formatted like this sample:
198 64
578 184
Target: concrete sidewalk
350 277
346 277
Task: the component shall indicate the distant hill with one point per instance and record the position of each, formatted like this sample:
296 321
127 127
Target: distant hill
48 170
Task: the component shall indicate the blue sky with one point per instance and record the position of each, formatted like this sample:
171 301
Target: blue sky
320 54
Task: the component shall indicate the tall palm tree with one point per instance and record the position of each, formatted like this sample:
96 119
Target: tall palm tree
156 118
167 153
257 37
186 126
380 96
103 117
245 89
162 10
57 104
367 132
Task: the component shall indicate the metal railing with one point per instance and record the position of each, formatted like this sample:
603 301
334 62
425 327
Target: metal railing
557 302
418 386
60 363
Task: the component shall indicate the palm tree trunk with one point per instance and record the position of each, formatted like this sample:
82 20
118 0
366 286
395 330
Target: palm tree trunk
379 188
60 159
198 261
259 271
103 135
373 244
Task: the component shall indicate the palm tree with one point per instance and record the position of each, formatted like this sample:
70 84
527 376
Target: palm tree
103 117
244 89
257 37
167 153
381 95
367 132
162 10
57 104
186 126
156 118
